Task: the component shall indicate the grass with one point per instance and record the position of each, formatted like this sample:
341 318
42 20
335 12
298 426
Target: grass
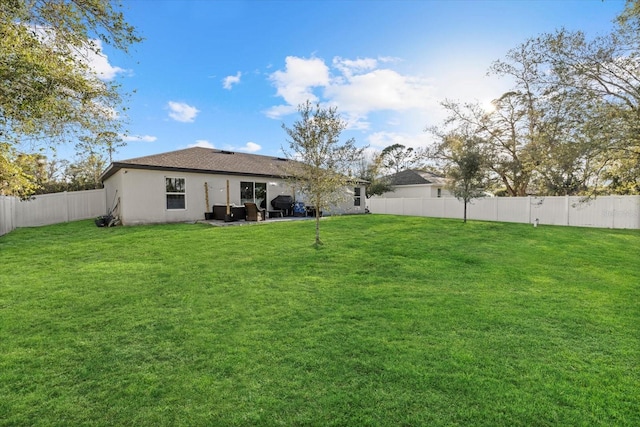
394 321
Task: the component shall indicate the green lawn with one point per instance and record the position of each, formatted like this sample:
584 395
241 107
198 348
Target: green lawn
394 321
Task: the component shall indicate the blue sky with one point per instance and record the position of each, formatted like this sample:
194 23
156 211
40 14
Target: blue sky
227 74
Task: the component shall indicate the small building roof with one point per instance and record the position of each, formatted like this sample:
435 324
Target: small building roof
205 160
416 177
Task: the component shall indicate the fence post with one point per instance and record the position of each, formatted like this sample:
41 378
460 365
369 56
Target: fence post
66 204
612 203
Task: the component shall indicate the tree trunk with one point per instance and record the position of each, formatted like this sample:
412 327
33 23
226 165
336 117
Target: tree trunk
465 211
318 242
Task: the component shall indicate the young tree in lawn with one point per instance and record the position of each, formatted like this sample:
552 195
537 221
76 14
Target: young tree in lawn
322 162
465 166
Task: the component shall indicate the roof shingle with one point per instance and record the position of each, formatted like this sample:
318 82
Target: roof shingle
205 160
416 176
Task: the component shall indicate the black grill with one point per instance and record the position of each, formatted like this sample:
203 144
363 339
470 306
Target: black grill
284 203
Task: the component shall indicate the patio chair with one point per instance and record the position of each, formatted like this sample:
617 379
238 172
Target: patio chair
253 213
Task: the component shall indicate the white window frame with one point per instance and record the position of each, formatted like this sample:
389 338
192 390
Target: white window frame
182 193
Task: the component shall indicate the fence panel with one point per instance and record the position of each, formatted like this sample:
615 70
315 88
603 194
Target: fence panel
605 212
54 208
433 207
412 207
48 209
453 208
626 212
513 209
482 209
549 210
7 214
42 210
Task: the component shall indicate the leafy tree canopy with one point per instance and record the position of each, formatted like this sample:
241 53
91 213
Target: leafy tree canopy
571 123
48 91
397 157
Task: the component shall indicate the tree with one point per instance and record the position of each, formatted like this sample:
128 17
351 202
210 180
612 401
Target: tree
14 177
49 93
602 76
322 162
630 17
106 143
85 173
369 169
536 137
465 166
397 158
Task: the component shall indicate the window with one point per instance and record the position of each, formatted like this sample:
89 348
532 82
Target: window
175 193
439 192
253 192
356 196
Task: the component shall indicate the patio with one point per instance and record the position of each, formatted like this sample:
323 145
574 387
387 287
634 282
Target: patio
222 223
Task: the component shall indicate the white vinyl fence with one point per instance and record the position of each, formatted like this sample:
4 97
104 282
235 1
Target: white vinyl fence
604 212
48 209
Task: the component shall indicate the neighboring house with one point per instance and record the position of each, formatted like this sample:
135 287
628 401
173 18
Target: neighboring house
182 185
415 183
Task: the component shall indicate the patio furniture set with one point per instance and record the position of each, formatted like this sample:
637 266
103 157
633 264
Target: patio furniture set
282 206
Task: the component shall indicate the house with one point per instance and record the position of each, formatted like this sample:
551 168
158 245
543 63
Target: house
183 185
416 183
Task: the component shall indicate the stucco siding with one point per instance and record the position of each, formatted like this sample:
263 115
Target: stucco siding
416 191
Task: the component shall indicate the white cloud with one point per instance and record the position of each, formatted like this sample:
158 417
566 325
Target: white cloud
250 147
139 138
105 111
229 81
99 63
349 66
381 89
90 55
202 143
279 111
357 87
182 112
296 83
380 140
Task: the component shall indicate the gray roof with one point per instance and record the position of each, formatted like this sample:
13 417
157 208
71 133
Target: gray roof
205 160
416 176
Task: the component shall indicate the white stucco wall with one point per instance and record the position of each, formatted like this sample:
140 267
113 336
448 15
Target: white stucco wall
416 191
347 205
